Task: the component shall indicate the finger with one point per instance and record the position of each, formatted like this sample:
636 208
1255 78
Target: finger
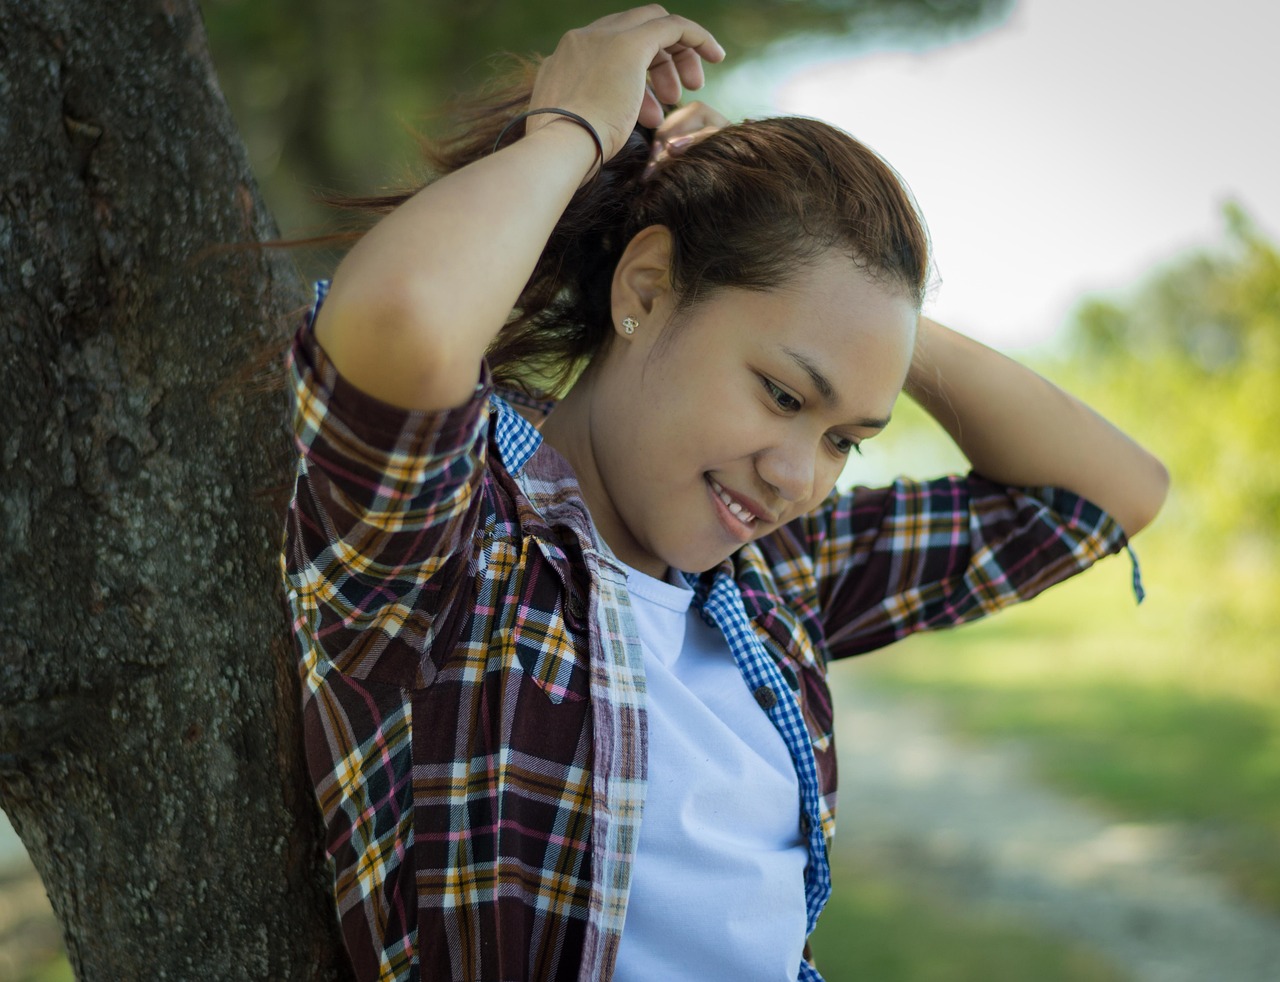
680 144
689 119
664 79
627 19
666 150
676 145
672 30
688 65
674 33
714 117
651 111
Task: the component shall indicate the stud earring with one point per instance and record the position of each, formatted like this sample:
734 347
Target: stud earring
629 324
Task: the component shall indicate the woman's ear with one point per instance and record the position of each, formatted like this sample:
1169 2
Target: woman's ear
641 288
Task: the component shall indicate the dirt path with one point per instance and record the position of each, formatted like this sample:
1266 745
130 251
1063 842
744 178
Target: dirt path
969 819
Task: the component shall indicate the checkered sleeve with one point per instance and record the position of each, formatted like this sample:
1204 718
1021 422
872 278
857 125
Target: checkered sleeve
391 487
918 556
383 499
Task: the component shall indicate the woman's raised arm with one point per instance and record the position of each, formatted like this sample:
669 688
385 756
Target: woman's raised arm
1020 429
416 302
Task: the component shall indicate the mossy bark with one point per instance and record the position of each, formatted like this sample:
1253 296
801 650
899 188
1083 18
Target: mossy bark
149 735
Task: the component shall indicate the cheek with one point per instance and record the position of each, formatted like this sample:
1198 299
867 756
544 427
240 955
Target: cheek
828 473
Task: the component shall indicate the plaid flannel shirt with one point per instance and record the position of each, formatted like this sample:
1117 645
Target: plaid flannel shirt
473 689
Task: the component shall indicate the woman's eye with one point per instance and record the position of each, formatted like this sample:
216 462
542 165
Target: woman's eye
784 399
844 445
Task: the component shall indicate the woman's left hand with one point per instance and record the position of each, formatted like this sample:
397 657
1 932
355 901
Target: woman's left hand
681 129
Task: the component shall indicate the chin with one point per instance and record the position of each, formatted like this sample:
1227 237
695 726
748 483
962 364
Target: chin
701 561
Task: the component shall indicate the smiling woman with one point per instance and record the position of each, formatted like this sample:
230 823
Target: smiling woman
740 424
564 638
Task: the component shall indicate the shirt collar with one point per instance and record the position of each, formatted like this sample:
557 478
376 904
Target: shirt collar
517 438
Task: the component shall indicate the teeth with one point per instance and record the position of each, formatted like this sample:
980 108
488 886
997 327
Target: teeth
736 509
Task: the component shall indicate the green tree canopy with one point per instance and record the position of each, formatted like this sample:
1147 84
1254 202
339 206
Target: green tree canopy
326 92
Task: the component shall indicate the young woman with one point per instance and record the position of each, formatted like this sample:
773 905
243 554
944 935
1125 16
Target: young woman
564 661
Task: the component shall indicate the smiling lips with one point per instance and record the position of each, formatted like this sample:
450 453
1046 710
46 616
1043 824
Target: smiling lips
747 516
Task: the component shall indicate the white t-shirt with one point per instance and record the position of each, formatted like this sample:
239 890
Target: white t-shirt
717 890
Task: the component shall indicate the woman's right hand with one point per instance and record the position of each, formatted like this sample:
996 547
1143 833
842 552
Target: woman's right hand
600 71
416 301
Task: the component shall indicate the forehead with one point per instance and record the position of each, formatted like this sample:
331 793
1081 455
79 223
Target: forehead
858 330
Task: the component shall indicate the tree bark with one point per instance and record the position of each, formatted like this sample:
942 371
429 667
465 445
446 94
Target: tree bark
149 733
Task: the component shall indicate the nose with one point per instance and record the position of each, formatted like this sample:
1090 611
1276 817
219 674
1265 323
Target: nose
789 470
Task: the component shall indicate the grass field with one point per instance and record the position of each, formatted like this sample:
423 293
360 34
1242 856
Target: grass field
878 927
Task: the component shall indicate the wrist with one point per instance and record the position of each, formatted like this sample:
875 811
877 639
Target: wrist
540 121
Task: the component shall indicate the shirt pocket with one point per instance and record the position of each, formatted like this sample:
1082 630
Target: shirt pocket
544 627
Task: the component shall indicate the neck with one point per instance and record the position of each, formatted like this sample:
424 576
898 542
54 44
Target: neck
569 429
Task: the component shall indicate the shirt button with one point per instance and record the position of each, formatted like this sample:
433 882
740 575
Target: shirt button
576 607
765 697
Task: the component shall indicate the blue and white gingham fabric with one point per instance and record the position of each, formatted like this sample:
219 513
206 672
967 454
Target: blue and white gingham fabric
321 290
517 437
723 605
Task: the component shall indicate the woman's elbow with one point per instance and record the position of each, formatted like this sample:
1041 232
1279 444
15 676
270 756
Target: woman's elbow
1145 496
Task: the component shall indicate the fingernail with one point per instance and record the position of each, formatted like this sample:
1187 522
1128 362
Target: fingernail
679 143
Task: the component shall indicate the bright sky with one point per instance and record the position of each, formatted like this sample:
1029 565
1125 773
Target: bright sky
1069 150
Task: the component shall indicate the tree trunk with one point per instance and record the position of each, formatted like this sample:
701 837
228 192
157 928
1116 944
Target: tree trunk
149 733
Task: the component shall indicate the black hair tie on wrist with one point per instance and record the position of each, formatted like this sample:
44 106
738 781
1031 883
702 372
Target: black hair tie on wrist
560 112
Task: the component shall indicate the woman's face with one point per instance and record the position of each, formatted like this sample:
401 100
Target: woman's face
741 417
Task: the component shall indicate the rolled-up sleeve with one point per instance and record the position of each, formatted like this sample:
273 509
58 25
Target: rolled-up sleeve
384 498
394 483
918 556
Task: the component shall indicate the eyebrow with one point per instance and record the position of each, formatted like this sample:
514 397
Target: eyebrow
827 390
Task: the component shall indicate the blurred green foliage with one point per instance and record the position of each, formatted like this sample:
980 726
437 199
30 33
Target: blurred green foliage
1169 713
1192 359
886 927
327 92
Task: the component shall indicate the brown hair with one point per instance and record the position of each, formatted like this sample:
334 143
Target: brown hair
747 207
